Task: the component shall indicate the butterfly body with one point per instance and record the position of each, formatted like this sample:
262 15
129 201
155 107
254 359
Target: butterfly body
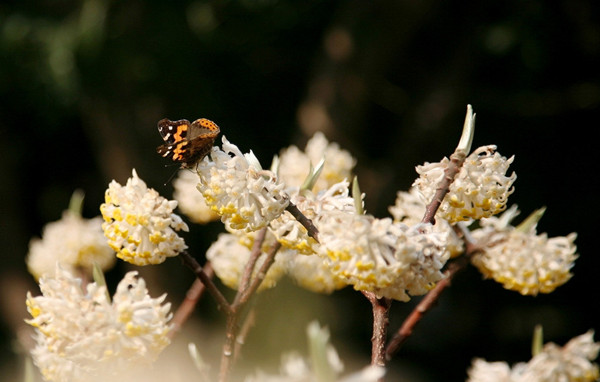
185 142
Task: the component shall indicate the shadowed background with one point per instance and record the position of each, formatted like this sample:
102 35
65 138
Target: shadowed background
83 83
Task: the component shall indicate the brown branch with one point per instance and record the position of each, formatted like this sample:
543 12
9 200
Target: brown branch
456 161
306 222
381 310
188 304
191 263
260 276
253 258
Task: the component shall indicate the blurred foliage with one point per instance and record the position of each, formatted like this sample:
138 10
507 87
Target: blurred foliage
82 84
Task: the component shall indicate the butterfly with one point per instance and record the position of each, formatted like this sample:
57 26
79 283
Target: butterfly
186 143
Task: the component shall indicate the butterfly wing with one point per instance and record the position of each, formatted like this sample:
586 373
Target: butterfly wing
185 142
174 131
175 135
202 136
204 129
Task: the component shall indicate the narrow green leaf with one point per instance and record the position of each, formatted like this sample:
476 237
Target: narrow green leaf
99 279
357 196
537 344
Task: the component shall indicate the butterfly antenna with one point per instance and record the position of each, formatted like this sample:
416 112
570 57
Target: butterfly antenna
171 177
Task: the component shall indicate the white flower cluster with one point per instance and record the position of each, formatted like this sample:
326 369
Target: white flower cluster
479 190
295 164
74 243
140 224
246 197
391 259
520 259
573 362
81 335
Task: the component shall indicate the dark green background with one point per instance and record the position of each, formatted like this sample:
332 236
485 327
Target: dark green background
82 84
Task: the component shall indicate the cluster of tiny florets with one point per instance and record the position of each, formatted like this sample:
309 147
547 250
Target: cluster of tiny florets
391 259
480 189
140 224
523 260
82 335
234 186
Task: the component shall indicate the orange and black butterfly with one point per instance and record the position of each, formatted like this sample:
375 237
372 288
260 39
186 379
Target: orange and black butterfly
187 143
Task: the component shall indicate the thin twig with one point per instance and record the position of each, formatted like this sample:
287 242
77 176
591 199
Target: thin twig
456 161
260 276
254 256
302 219
191 263
188 304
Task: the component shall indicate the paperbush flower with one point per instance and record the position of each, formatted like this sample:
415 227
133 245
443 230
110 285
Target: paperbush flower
294 165
246 197
573 362
230 254
191 202
479 190
140 224
522 260
81 335
292 234
73 242
391 259
410 208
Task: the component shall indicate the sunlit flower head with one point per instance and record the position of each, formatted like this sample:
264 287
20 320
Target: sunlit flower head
522 260
291 234
246 197
191 202
73 242
573 362
294 165
391 259
231 252
81 335
140 224
480 189
410 209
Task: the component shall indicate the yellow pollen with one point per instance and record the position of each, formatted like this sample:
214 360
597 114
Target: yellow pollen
364 267
131 219
117 214
157 237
